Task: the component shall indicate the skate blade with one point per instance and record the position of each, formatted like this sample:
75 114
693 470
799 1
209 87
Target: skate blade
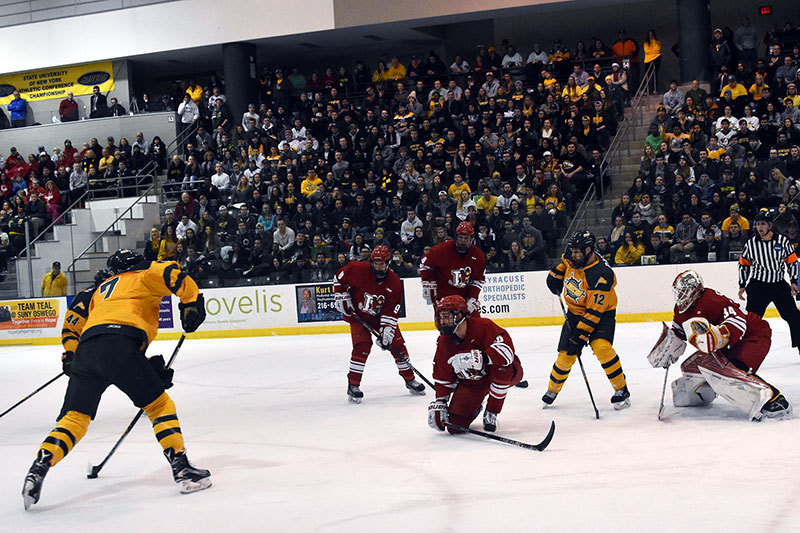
415 392
546 405
786 414
353 399
623 404
188 486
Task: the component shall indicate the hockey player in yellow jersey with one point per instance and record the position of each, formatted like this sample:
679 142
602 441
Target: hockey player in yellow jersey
121 322
588 286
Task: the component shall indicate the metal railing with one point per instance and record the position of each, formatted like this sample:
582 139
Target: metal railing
614 149
92 246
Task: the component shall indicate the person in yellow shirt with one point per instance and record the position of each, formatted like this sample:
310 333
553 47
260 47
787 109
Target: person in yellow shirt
195 92
652 52
737 89
630 252
744 224
486 202
122 321
756 90
396 70
457 186
169 244
310 183
54 282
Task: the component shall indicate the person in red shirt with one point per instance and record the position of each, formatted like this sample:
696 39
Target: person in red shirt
474 358
374 294
69 153
454 268
731 342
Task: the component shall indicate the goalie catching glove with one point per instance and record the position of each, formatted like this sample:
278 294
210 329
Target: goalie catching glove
437 415
192 314
385 337
668 348
343 303
705 336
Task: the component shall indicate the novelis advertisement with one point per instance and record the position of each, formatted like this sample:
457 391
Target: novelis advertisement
57 82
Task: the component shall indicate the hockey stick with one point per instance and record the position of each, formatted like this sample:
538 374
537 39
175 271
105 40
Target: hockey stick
94 470
580 362
663 393
539 447
389 349
29 395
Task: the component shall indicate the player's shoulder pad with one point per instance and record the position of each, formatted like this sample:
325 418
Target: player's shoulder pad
599 276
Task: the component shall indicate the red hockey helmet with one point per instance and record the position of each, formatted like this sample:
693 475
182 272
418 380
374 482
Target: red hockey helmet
464 234
454 305
381 253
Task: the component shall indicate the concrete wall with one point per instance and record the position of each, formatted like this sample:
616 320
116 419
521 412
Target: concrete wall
46 111
27 140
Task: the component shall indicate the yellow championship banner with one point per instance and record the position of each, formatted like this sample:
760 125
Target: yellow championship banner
56 82
29 314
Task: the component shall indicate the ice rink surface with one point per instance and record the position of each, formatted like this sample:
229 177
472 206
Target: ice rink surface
269 417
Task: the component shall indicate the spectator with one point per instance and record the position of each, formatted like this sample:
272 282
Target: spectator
54 282
98 104
18 109
153 245
168 246
652 54
685 239
68 108
630 252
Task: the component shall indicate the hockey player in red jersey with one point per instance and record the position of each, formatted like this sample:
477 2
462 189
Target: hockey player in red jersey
731 343
373 293
454 267
474 357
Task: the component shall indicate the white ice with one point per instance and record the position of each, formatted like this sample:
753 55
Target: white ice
287 452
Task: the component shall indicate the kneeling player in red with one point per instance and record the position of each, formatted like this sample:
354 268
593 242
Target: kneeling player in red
474 357
372 294
731 343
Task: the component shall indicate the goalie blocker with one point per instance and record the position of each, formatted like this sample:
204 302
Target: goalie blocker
731 345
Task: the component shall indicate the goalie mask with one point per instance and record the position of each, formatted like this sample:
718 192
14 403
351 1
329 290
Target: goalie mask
686 289
450 313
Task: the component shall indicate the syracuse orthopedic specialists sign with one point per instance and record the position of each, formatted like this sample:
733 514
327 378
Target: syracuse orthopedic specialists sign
57 82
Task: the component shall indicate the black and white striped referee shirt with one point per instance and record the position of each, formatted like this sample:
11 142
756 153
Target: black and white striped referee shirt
766 260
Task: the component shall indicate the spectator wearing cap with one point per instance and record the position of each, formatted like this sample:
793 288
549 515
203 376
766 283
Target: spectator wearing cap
54 282
743 223
720 52
491 85
18 109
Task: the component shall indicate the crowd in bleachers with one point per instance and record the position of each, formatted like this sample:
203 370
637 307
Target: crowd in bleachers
713 159
320 169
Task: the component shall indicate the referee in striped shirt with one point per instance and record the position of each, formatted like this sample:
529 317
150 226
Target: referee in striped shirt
765 259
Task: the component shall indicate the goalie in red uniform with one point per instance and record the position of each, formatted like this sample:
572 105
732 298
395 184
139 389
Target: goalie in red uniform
474 357
373 293
454 267
731 343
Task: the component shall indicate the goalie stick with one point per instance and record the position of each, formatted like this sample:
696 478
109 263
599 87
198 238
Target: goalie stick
94 470
538 447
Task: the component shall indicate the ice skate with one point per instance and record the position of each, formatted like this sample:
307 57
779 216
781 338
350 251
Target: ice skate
489 421
415 387
548 399
189 477
621 398
777 408
354 394
32 488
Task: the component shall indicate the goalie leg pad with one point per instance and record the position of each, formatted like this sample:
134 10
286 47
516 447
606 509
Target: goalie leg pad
741 389
690 391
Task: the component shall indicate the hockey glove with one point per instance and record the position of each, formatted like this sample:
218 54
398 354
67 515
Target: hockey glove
468 365
554 284
385 337
473 305
66 362
437 415
575 346
429 291
164 374
705 336
343 303
192 314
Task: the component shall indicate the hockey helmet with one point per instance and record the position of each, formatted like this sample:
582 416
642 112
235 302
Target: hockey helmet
381 253
102 275
580 240
123 261
764 215
454 305
464 233
686 289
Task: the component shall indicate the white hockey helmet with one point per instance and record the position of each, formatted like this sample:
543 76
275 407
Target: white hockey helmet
686 289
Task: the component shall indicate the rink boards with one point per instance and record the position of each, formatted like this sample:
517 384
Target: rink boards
512 299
